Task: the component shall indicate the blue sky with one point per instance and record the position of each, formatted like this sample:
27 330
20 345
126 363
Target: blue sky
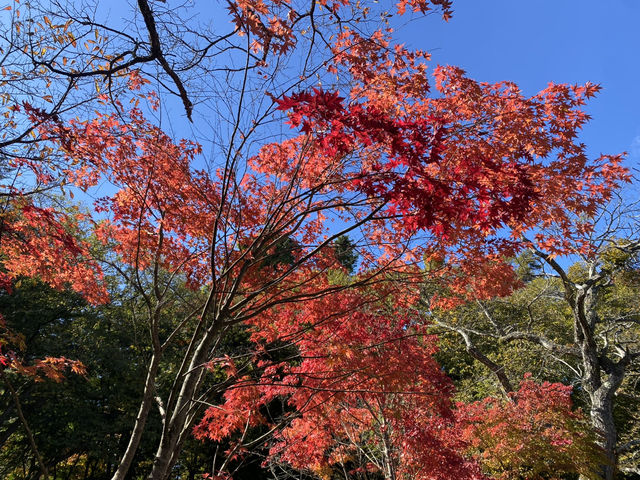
564 41
535 42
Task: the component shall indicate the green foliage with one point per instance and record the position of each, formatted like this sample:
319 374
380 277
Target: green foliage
540 310
527 266
79 423
345 252
283 254
474 380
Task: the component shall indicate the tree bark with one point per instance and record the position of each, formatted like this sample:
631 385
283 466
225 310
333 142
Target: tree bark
602 420
601 378
141 419
179 420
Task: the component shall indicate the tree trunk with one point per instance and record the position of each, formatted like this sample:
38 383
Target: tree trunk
602 421
25 424
166 455
141 419
179 419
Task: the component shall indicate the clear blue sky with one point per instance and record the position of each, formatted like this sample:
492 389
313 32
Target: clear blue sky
535 42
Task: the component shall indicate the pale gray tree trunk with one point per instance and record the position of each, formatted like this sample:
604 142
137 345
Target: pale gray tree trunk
141 419
180 417
602 420
601 412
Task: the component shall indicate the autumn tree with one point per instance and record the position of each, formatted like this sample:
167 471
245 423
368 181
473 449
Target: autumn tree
534 432
363 385
408 174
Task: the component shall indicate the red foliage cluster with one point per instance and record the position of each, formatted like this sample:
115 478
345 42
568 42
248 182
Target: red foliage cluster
272 24
362 379
45 243
534 434
476 159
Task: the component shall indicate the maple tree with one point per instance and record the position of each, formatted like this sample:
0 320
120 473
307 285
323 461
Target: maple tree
36 238
363 381
534 433
416 175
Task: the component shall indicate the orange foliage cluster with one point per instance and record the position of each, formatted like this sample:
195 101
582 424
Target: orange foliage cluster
362 377
45 243
535 434
272 24
50 368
